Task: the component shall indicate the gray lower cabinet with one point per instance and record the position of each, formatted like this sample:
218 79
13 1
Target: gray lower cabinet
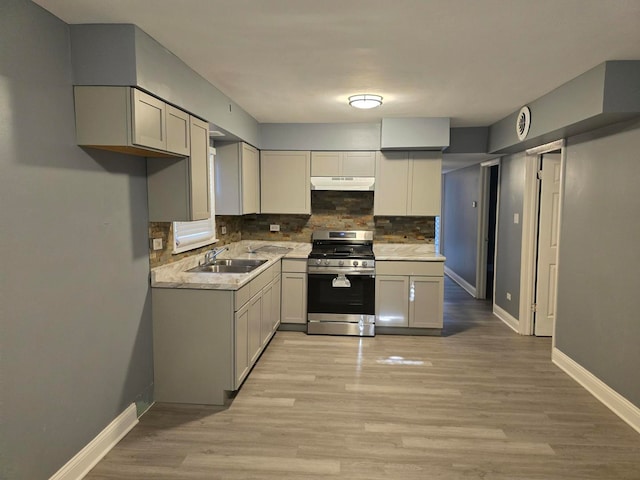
294 291
409 294
206 341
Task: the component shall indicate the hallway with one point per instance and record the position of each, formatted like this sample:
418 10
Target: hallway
480 402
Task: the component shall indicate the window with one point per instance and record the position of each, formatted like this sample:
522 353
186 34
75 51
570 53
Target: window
191 235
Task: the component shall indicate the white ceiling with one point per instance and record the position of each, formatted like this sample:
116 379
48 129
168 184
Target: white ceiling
289 61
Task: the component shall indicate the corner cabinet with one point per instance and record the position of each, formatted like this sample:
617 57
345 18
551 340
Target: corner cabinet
178 188
409 295
205 342
285 182
237 179
408 183
176 144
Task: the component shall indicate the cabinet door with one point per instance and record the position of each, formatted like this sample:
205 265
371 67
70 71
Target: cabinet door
255 319
250 180
285 183
326 164
266 323
178 137
359 164
241 341
392 173
149 116
199 169
294 298
426 295
425 180
392 301
275 303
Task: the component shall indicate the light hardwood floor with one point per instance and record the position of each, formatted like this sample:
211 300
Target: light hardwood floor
480 402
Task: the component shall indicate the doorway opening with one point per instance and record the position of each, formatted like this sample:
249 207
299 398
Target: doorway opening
487 222
540 239
491 229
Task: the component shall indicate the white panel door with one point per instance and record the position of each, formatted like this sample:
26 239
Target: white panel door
548 230
178 136
199 169
426 296
250 180
425 180
392 173
392 301
241 336
285 182
294 298
149 120
359 164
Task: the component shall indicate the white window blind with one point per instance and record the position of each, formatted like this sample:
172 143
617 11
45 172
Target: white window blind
191 235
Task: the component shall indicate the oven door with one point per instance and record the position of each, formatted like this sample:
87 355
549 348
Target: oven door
340 294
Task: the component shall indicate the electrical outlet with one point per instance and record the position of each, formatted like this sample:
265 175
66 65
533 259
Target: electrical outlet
223 230
516 218
157 244
274 227
508 296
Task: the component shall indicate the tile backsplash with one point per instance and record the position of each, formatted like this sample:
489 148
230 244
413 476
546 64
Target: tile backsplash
330 210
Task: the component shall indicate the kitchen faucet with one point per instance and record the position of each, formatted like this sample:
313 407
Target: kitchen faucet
212 254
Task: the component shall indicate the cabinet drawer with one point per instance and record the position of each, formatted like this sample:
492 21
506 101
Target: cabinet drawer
410 268
242 296
299 266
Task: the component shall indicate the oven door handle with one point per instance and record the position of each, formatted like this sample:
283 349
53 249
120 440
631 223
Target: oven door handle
341 281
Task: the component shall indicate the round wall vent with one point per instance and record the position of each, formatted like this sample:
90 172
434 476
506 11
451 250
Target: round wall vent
523 122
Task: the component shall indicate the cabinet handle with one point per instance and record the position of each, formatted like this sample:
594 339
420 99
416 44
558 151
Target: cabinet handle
412 291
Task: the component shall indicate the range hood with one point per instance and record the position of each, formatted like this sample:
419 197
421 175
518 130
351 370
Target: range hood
343 183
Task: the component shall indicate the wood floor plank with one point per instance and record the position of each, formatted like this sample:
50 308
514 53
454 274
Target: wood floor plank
478 403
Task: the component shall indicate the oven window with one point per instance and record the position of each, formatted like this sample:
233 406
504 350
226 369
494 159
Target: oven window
323 297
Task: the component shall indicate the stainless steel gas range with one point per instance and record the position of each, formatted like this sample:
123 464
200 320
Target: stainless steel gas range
341 284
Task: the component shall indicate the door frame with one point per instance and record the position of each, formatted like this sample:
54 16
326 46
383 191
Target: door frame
530 209
483 228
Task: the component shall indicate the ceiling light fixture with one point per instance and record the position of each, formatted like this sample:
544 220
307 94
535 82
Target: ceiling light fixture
365 100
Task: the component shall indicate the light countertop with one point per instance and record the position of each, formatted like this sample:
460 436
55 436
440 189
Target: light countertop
417 252
175 275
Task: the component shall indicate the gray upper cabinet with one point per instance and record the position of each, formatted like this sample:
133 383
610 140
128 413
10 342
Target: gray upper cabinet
127 120
237 176
408 183
178 136
178 188
285 183
343 164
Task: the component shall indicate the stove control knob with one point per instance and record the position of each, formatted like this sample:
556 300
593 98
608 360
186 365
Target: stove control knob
341 262
318 261
355 263
364 263
326 262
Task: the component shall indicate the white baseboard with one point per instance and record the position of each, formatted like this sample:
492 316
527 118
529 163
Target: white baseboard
460 281
94 451
507 318
615 402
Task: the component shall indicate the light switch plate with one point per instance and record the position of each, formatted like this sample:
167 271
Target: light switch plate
157 244
516 218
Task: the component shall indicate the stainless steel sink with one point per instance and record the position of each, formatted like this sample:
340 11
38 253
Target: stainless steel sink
228 265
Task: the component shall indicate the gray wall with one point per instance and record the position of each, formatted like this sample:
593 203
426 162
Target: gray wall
509 236
598 302
320 136
460 221
75 319
123 54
